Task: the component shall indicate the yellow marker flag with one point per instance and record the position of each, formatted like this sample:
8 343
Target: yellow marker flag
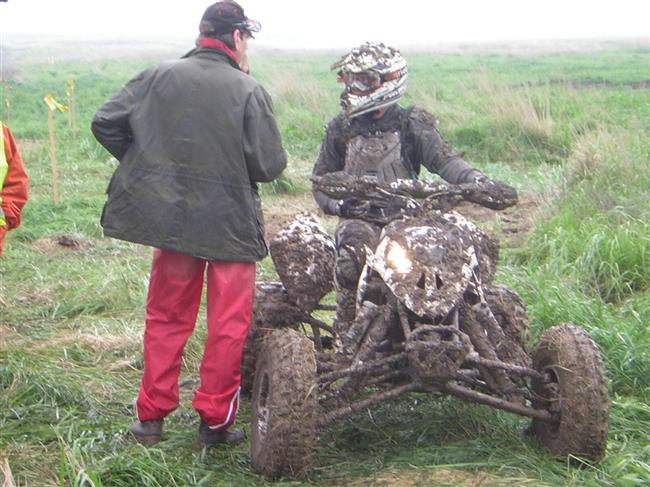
53 105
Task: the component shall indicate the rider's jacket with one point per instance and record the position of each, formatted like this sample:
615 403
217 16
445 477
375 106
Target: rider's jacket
392 147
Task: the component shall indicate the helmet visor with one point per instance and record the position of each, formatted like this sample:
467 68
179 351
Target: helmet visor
360 83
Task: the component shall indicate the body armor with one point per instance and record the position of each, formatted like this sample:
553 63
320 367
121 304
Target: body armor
378 155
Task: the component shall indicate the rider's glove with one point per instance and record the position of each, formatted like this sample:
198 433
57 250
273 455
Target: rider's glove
480 179
351 208
492 193
343 207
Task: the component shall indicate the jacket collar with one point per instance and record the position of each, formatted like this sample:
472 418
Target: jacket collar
210 53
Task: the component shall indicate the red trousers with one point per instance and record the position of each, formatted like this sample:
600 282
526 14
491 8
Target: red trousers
172 307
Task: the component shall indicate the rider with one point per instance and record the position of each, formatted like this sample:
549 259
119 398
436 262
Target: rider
374 136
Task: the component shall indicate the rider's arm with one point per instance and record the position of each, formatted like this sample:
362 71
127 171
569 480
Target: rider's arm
428 148
331 158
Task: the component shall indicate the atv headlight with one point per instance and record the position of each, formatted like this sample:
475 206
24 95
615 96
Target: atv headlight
398 259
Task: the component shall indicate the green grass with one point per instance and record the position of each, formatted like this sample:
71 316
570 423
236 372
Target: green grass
570 130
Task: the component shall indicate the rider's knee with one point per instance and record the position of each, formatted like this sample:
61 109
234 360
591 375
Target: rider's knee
348 267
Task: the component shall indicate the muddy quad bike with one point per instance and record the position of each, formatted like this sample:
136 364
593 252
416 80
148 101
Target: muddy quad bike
428 319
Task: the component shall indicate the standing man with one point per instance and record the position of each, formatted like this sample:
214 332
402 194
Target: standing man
14 184
194 136
374 136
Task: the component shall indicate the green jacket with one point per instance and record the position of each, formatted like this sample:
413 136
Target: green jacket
193 137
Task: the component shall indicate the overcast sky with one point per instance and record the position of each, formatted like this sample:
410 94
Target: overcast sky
340 23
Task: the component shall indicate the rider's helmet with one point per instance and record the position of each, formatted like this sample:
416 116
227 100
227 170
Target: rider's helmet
374 75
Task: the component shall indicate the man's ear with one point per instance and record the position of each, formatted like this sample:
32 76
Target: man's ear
236 37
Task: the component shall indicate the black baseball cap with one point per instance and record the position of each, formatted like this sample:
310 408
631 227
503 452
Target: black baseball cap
225 17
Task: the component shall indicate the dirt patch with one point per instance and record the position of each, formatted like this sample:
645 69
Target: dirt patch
512 226
602 84
278 214
412 477
97 343
42 297
64 242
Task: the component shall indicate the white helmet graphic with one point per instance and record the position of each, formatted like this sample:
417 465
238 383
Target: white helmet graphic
374 75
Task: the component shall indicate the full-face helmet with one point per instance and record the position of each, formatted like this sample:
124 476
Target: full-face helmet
374 75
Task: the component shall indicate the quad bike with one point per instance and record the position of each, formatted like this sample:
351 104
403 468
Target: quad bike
428 319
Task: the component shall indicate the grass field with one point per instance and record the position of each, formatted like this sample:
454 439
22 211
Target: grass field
570 129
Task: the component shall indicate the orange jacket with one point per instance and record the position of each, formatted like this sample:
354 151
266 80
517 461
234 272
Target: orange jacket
13 190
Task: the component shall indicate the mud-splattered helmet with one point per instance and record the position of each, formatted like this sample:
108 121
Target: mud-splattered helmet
374 75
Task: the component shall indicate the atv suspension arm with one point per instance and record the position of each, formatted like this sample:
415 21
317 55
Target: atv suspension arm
479 397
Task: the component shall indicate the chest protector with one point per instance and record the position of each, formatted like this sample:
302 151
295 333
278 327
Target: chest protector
377 155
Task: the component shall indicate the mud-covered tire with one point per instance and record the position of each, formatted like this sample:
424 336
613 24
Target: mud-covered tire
284 402
510 312
574 390
254 342
248 360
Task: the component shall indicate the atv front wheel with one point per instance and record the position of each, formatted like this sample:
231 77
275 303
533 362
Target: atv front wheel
252 346
574 391
284 405
510 312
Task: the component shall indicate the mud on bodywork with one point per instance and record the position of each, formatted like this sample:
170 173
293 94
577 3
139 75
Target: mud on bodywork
304 256
428 262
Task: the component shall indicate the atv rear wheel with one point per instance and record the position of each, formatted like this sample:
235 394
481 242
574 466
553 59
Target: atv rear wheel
284 405
574 391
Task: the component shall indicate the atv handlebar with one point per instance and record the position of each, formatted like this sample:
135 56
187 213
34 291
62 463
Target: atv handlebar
388 201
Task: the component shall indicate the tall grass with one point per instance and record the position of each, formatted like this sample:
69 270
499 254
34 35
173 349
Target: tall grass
513 110
589 259
599 228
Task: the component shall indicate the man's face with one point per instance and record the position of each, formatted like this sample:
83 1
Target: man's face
240 39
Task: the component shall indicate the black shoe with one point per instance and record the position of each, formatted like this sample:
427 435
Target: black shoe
147 433
210 438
